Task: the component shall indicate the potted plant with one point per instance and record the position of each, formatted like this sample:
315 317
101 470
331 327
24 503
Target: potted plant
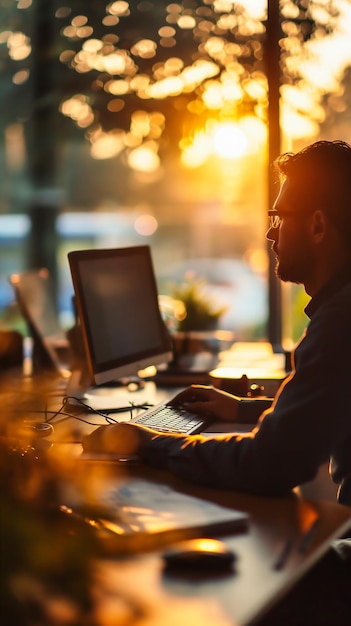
199 311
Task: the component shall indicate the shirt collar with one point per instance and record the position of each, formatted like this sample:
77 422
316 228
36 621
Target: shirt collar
339 280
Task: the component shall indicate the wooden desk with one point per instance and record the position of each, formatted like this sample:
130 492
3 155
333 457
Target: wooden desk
240 597
130 589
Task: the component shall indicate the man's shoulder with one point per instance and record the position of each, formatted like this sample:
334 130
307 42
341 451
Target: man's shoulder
331 322
340 300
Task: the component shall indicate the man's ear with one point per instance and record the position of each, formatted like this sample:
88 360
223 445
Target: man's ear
319 225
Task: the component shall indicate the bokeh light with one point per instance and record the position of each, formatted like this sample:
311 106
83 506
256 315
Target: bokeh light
196 62
146 225
144 159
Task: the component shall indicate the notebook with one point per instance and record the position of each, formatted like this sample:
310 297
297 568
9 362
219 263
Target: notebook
136 514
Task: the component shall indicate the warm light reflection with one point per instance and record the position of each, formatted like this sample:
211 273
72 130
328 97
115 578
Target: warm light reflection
116 105
186 22
145 48
297 124
255 130
92 45
118 8
107 145
146 225
229 140
117 87
24 4
20 77
226 139
218 76
15 147
19 46
213 76
258 260
78 109
144 159
221 72
255 8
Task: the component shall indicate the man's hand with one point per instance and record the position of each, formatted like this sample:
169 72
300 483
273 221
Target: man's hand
206 400
120 438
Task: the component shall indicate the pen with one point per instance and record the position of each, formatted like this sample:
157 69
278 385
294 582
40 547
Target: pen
304 545
308 537
281 560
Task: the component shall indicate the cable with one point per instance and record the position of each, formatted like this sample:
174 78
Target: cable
131 407
110 420
66 414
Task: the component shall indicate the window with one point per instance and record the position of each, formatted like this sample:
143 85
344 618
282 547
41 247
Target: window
139 122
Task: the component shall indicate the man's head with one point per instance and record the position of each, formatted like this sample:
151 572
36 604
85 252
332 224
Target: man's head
314 204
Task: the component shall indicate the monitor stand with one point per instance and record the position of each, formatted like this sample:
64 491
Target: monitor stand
78 383
113 395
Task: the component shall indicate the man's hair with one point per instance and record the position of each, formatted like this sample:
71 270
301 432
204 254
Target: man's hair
321 176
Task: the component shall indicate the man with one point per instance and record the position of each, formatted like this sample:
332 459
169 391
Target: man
309 421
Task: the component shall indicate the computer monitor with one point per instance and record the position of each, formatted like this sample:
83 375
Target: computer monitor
117 305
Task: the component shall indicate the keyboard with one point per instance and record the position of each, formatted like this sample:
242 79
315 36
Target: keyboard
170 419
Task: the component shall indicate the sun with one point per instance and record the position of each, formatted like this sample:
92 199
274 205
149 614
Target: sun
229 141
224 139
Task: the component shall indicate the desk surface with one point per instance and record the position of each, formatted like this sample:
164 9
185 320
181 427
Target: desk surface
257 583
237 598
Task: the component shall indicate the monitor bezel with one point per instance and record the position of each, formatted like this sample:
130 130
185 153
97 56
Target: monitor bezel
120 367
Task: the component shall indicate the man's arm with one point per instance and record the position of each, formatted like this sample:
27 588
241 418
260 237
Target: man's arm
308 419
293 438
221 405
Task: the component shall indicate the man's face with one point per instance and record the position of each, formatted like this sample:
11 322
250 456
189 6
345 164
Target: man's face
291 242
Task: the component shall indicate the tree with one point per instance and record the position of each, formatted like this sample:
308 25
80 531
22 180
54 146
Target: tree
145 74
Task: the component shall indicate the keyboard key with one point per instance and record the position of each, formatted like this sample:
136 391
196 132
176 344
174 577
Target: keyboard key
166 418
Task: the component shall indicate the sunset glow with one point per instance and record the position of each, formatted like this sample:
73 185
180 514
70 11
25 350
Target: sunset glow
219 71
215 77
229 141
224 139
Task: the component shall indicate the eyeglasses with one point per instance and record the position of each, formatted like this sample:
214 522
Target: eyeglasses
275 218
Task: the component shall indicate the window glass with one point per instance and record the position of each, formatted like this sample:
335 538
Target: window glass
129 123
206 225
133 126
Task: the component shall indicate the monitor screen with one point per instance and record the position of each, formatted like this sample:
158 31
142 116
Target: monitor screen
117 305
